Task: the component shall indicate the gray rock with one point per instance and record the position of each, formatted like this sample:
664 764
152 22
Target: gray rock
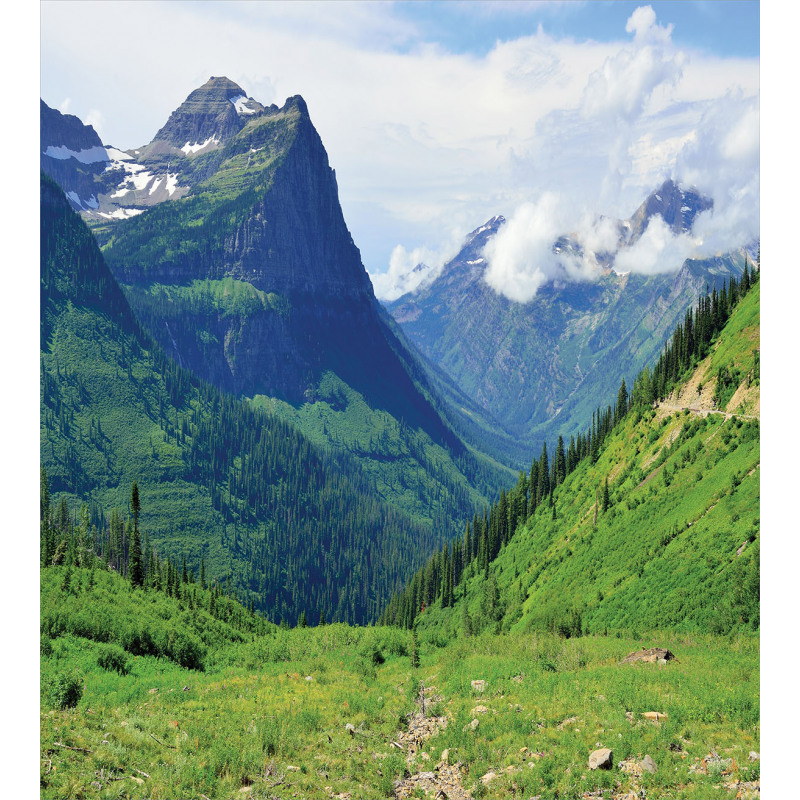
650 655
601 759
350 728
648 765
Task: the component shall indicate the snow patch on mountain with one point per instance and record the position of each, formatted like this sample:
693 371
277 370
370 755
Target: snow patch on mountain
240 104
118 155
191 148
121 213
83 205
89 156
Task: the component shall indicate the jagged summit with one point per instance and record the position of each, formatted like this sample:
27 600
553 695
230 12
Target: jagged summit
214 112
677 206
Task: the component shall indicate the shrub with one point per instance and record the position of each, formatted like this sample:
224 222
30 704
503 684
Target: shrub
64 691
185 650
45 645
113 657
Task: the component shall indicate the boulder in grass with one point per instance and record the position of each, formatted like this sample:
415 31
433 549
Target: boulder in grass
648 765
649 656
601 759
478 686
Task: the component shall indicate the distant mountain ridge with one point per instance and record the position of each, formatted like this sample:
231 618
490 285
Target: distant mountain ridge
539 368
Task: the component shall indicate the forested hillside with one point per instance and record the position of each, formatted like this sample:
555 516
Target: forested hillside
292 527
647 521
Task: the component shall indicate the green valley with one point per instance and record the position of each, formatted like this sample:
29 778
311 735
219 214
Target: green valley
498 678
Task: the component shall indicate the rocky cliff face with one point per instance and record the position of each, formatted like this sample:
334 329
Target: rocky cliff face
253 279
72 154
678 207
296 239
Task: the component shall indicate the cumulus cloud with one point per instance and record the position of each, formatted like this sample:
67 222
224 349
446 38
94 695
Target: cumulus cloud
523 255
639 129
626 81
723 160
658 250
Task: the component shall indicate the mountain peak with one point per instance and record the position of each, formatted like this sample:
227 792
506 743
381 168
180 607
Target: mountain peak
296 101
676 205
218 88
215 111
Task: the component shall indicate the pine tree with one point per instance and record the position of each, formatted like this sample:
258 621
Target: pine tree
622 402
414 649
135 505
560 462
606 498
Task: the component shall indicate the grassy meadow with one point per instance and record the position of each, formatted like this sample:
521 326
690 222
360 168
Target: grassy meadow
264 712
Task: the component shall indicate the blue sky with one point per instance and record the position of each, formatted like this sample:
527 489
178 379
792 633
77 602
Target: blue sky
721 27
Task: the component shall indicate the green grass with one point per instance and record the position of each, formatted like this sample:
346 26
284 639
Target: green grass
251 714
678 547
226 296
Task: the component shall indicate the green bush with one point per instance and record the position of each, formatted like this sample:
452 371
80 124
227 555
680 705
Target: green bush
64 690
113 657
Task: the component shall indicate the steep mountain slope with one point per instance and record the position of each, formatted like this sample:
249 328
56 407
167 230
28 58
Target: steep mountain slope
538 368
295 527
657 529
247 275
73 156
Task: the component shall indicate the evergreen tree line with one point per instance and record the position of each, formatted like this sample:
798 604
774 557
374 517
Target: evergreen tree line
692 340
122 547
485 535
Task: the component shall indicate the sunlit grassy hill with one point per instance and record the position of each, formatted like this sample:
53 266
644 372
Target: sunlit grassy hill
675 545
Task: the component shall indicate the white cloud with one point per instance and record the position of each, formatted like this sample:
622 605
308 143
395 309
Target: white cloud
658 250
409 269
723 160
627 80
520 255
633 130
